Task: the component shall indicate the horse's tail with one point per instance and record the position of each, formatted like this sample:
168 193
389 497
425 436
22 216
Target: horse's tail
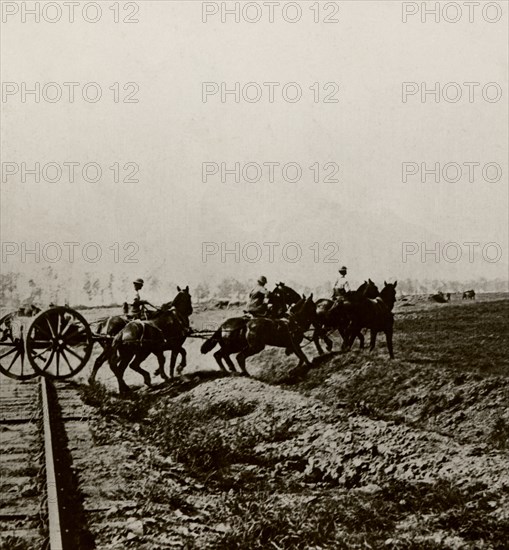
210 344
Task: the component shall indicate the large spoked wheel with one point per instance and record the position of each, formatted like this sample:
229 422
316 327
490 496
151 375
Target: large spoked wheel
59 343
13 362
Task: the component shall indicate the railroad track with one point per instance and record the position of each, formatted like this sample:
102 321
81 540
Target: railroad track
40 505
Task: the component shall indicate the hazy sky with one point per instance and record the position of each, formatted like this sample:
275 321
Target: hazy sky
171 131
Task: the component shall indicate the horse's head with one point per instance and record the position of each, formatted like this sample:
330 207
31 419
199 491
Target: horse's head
368 289
304 311
182 301
287 295
388 294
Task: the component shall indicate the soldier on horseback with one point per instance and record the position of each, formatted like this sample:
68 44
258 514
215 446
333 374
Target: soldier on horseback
138 309
258 298
341 286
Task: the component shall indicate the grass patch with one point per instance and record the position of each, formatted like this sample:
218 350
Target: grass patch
14 543
198 436
356 520
133 408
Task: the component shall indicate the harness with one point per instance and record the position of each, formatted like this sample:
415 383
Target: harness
181 320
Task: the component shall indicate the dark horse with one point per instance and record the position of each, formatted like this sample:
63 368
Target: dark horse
469 295
138 339
247 337
331 315
373 314
280 300
107 328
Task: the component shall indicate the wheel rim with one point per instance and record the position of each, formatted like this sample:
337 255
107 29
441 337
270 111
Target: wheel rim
59 343
13 362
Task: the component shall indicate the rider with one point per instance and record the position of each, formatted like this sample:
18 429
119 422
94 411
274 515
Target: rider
341 286
258 298
138 310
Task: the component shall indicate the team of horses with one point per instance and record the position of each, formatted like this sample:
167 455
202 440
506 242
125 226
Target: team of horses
129 342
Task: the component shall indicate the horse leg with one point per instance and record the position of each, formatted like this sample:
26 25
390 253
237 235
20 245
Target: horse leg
183 360
99 362
316 340
372 342
360 336
328 341
388 337
160 361
173 360
118 367
135 364
245 353
300 354
229 362
218 356
347 340
160 368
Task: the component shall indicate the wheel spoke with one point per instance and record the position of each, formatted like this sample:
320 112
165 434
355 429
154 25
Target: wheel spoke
12 350
49 360
38 355
51 328
9 344
70 350
67 360
40 343
14 360
58 363
59 323
66 327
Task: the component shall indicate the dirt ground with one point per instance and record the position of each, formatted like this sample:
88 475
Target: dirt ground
359 452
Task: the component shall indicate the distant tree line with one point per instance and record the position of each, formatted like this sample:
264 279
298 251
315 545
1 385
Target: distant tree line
94 290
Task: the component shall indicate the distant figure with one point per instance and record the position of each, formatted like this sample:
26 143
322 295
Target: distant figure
258 298
448 296
440 297
341 286
469 295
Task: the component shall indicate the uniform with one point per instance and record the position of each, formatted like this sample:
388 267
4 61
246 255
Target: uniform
341 286
257 296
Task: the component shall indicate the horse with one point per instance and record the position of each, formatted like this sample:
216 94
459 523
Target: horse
168 330
469 295
106 329
375 314
247 337
281 299
332 315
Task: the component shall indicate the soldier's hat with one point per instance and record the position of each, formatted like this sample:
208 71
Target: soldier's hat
262 280
341 269
138 282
